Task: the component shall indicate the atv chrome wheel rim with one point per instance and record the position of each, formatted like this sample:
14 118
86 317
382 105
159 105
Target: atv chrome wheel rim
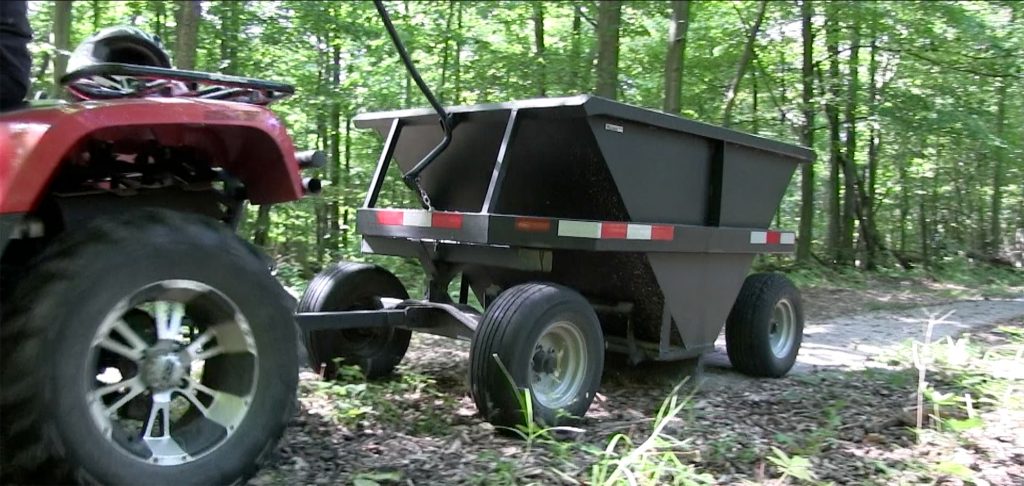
173 372
782 329
558 366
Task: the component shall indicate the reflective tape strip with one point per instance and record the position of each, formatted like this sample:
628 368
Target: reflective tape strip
420 219
772 238
390 218
663 233
611 230
446 220
638 232
579 229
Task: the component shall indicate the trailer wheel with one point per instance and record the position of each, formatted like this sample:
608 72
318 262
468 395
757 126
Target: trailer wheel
765 327
149 348
354 286
549 340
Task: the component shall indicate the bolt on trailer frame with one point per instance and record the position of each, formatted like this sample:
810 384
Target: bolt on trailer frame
655 219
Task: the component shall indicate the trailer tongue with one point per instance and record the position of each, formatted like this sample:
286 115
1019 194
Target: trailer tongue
636 229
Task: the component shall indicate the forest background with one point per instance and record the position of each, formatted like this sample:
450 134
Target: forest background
914 108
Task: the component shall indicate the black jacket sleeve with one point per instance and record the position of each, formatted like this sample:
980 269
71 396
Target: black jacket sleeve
15 60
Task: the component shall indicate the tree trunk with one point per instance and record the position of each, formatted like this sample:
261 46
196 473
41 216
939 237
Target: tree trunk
445 56
334 206
609 16
348 182
832 241
456 70
904 213
187 34
262 232
846 248
540 67
741 68
922 221
995 231
676 55
159 18
408 46
874 143
61 41
230 33
803 247
97 10
576 51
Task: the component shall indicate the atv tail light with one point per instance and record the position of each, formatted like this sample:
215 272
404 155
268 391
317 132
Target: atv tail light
16 141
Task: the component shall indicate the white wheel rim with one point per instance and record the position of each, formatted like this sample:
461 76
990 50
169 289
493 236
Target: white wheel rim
558 366
782 329
160 352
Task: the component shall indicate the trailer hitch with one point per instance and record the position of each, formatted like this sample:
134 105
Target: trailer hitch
412 178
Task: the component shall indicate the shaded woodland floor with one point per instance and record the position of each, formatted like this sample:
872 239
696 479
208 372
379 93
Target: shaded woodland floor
852 421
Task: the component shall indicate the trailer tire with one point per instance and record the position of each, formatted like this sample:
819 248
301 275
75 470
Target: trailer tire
90 284
354 286
765 326
515 328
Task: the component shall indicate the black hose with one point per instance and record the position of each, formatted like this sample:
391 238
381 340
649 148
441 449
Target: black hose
447 124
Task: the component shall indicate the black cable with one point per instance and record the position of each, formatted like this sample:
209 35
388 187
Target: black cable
412 176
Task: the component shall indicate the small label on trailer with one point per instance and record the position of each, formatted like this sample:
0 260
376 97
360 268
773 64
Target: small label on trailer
613 128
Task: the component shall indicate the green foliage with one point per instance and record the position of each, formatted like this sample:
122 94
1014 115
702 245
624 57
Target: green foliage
355 400
656 460
796 467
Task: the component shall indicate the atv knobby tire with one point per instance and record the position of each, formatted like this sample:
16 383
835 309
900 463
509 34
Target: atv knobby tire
50 353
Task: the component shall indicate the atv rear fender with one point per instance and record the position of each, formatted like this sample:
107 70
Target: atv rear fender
247 141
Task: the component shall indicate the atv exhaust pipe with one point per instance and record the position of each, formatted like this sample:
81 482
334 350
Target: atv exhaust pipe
312 186
311 159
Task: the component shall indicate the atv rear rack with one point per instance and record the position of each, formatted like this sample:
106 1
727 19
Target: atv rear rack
105 81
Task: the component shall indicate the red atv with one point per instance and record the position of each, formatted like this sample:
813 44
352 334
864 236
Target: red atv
144 342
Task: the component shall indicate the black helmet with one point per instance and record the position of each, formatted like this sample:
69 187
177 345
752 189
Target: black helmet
126 45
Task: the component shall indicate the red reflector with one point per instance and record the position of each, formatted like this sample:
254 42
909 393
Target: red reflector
664 233
533 225
391 218
446 220
613 231
774 237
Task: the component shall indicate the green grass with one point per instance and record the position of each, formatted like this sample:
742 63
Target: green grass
410 402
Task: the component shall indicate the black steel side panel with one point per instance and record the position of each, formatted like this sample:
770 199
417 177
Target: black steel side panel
700 290
660 174
753 183
457 180
555 169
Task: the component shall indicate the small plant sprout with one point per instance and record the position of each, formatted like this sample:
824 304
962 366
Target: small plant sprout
530 431
791 466
922 359
654 461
